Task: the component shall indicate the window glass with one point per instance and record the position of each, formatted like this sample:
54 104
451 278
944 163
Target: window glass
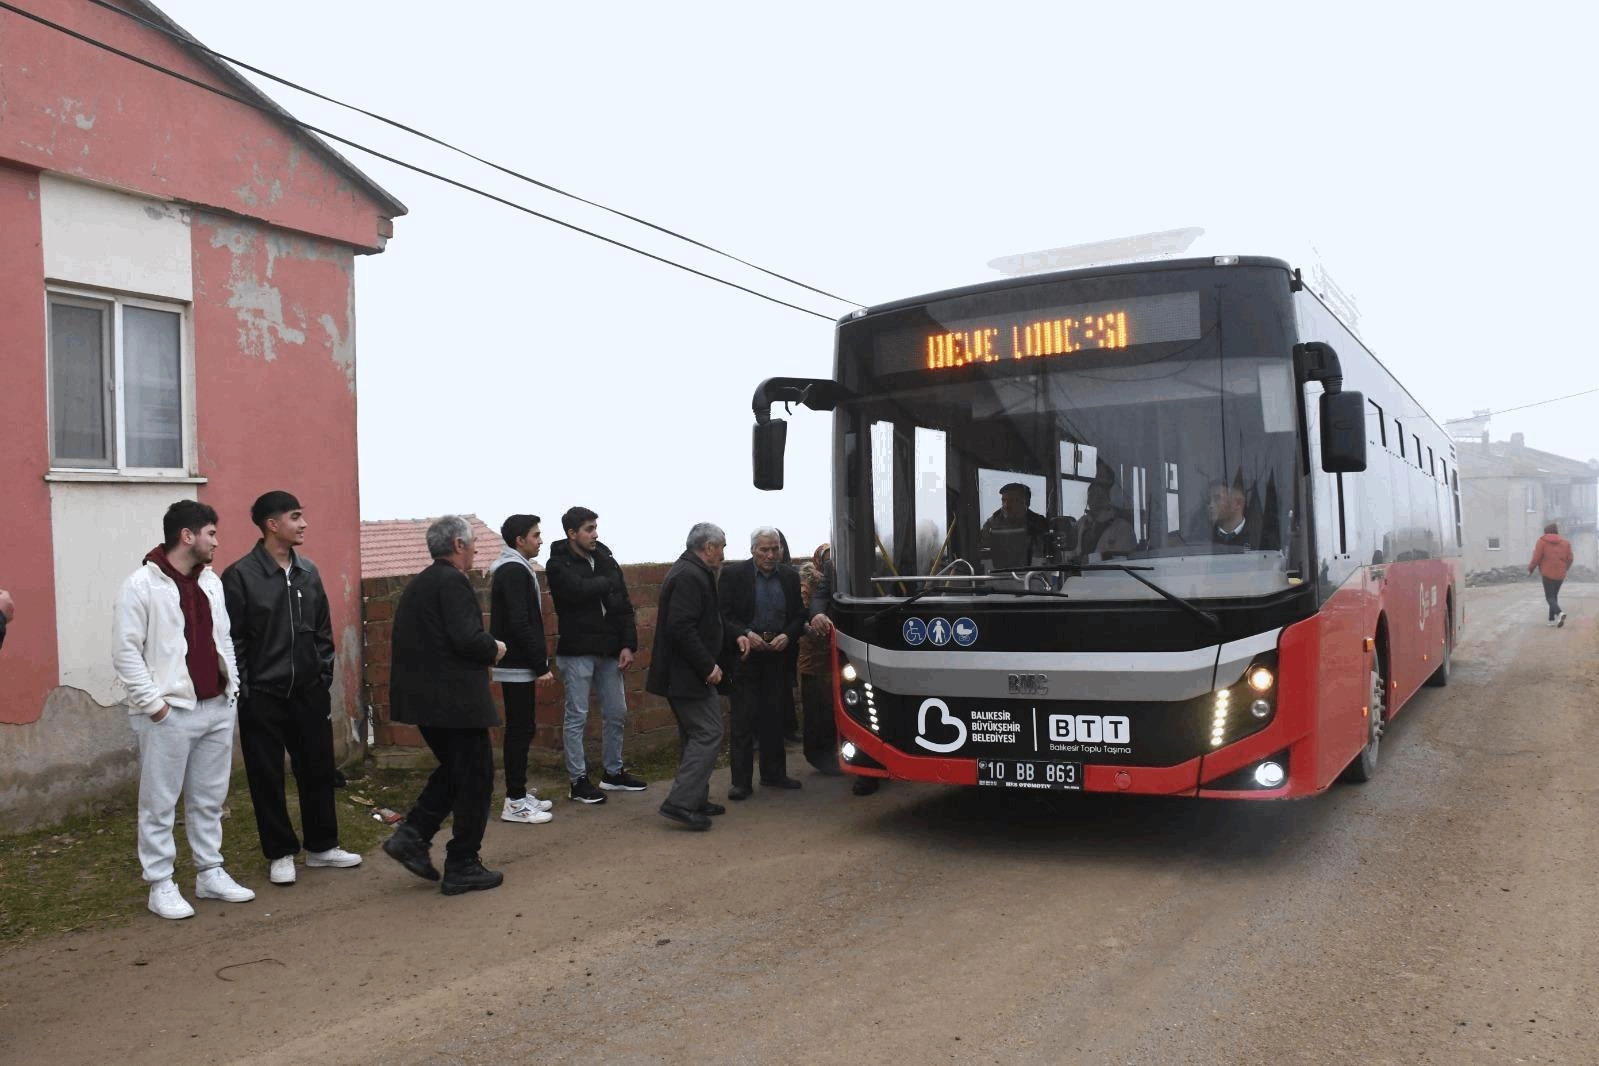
80 415
152 368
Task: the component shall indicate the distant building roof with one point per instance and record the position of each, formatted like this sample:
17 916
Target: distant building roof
399 547
1513 458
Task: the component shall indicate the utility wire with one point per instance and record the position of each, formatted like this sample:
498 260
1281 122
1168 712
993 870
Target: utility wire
191 43
1523 407
284 117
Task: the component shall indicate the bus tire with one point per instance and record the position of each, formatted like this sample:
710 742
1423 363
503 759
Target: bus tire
1440 676
1364 766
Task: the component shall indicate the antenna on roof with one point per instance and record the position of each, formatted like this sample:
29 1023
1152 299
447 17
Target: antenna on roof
1133 249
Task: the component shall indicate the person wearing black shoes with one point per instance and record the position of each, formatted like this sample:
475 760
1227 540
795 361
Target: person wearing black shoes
761 604
683 668
439 682
596 642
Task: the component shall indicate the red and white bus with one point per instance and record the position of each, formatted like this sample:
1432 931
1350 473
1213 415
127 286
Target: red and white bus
1163 528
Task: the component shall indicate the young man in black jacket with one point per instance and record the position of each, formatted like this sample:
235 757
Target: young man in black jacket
516 619
283 637
596 644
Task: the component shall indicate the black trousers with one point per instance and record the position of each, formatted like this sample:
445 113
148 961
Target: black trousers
757 718
1551 592
520 702
462 786
269 726
821 731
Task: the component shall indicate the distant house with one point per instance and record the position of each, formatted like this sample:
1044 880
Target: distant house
1508 492
176 321
399 548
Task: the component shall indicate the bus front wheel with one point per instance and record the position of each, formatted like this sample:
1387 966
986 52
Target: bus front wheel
1364 766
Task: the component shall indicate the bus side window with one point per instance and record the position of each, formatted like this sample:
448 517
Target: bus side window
1382 427
1417 441
1400 429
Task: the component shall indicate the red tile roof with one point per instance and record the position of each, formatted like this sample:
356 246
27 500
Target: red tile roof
399 547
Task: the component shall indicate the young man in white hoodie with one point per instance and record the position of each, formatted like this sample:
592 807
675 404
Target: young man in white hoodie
172 652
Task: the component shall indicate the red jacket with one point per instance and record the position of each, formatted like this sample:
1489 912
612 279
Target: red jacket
1551 557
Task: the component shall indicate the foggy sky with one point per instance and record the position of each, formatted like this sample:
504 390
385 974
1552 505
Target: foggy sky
1435 163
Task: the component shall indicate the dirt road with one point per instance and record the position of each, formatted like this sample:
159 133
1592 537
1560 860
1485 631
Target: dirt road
1446 912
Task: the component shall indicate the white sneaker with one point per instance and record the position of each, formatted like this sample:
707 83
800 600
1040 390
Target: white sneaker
282 870
216 884
533 798
168 902
332 857
528 809
1551 623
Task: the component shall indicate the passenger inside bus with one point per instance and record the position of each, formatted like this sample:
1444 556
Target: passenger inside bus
1105 531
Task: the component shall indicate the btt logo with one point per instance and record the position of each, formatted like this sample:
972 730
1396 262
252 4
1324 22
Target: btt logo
1027 684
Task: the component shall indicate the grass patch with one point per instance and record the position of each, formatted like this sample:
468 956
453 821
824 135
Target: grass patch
84 872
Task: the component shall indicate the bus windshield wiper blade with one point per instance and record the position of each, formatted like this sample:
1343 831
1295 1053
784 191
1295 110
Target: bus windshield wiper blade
1208 617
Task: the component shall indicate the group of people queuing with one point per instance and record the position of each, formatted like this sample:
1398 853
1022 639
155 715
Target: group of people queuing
197 654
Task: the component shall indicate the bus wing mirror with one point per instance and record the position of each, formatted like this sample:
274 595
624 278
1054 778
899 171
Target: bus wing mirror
1343 432
770 438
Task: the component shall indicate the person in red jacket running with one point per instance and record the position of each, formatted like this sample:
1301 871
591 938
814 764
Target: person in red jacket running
1552 558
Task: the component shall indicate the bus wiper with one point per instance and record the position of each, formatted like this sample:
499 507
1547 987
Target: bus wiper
1208 617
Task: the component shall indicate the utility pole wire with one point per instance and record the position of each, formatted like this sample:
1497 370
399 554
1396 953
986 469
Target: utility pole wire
190 42
1523 407
284 117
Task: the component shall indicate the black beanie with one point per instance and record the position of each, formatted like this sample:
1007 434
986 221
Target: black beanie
272 504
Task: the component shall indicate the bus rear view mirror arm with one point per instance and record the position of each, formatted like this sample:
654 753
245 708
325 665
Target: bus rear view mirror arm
771 434
1342 415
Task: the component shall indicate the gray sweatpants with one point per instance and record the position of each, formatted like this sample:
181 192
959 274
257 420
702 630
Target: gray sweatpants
187 754
699 728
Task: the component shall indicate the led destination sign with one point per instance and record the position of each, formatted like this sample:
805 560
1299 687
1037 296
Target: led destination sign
1041 334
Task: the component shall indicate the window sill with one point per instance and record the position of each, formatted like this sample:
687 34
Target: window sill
111 477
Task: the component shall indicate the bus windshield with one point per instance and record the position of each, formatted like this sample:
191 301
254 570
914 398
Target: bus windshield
968 456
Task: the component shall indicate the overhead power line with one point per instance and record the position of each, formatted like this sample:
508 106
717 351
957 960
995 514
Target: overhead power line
191 43
1523 407
284 117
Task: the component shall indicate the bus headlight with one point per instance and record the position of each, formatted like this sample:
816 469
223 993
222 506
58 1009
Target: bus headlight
1269 775
848 750
848 673
852 696
1261 679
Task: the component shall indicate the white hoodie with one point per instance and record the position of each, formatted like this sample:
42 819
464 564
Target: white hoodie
148 649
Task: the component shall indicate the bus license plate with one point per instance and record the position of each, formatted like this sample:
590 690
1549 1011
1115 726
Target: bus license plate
1015 773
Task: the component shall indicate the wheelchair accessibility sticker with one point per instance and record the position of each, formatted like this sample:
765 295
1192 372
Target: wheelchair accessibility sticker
914 631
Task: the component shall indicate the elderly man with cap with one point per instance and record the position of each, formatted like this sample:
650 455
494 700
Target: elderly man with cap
283 637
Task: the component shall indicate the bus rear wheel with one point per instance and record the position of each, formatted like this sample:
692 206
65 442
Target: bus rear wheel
1440 676
1364 766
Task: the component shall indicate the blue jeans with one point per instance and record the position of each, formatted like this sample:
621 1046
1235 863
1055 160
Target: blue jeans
579 673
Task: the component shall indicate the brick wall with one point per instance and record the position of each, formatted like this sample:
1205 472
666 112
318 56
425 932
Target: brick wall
649 719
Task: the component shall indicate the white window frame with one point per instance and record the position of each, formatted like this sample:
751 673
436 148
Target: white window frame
1494 544
118 468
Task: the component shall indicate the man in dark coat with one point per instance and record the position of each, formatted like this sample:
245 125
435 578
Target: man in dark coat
683 668
761 607
439 682
283 638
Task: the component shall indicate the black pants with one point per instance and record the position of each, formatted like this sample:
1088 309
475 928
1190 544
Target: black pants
758 718
821 732
1551 592
519 697
269 726
462 785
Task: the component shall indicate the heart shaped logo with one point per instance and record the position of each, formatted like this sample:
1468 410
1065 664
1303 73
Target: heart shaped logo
945 718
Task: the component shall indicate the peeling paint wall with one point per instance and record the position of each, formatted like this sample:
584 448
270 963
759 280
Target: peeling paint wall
275 376
69 107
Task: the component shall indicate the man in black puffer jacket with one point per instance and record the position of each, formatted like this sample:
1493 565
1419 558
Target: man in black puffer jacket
597 640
